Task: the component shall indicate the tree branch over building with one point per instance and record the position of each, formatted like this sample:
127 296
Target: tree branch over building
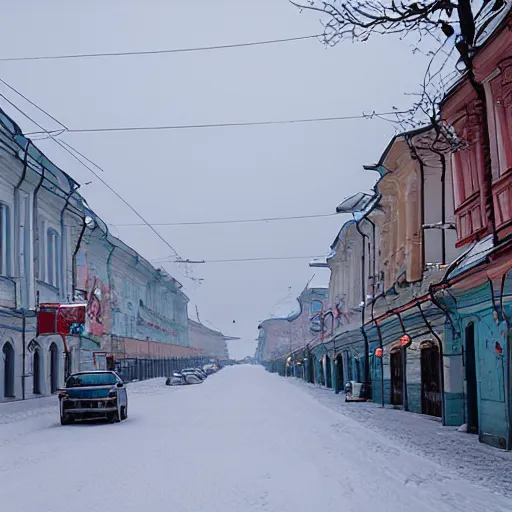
455 27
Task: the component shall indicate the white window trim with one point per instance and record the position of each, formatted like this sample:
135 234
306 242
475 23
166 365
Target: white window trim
47 227
6 251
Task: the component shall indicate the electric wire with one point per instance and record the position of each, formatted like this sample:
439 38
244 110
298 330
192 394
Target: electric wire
232 221
107 129
160 52
238 260
124 201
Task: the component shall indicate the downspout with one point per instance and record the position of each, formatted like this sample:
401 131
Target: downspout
441 359
443 207
416 156
363 311
36 222
405 399
62 239
23 319
381 346
73 259
63 245
509 353
109 276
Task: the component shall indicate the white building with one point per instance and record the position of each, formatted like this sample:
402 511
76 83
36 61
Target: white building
40 222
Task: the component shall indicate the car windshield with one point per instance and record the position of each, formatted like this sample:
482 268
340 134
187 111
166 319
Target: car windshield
91 379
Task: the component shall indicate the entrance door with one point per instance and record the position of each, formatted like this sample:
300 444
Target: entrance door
397 377
54 368
37 373
8 356
340 385
471 385
328 371
430 379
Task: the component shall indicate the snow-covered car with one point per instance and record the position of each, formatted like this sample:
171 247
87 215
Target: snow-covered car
210 369
195 371
192 376
93 395
177 379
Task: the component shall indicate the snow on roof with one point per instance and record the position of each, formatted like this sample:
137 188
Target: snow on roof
319 280
474 256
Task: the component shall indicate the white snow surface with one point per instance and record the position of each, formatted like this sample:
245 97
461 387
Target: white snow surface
244 440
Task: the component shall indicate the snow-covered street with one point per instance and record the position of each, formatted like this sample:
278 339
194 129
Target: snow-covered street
245 440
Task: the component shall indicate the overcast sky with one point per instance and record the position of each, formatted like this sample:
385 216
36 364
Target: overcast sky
211 174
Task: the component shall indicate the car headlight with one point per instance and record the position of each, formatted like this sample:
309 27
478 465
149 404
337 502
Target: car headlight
112 394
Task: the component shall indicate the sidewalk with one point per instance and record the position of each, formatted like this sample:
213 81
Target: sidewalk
425 436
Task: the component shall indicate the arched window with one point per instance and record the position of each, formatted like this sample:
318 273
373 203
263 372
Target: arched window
5 240
52 257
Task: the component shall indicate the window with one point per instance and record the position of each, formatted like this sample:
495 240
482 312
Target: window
92 379
500 119
52 257
316 306
4 240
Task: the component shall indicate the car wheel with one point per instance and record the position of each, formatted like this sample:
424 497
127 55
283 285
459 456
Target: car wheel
124 412
113 417
66 420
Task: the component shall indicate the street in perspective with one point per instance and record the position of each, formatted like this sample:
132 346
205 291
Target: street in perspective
256 256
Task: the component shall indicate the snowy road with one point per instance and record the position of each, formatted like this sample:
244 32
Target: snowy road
244 440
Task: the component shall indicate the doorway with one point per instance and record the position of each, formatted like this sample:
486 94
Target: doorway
471 384
54 368
431 393
340 385
37 373
397 377
8 356
328 371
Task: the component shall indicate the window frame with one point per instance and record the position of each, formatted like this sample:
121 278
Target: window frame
5 239
52 256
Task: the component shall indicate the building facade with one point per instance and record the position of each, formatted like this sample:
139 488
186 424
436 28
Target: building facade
70 292
301 329
420 295
211 344
40 222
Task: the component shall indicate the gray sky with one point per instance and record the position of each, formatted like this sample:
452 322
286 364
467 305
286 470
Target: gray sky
211 174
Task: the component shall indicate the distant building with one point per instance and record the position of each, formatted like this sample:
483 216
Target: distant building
279 336
210 343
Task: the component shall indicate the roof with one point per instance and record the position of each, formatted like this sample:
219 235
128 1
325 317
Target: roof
476 255
354 203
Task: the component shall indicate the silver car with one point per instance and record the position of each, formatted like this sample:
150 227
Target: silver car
99 394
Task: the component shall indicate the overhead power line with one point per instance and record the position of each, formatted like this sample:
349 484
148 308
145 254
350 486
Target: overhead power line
231 124
237 260
232 221
160 52
69 149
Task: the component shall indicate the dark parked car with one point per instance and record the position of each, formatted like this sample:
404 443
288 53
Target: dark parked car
99 394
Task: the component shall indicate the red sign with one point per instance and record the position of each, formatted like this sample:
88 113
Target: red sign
61 319
379 352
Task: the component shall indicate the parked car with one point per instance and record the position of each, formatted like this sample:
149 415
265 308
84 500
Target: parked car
210 369
177 379
195 371
98 394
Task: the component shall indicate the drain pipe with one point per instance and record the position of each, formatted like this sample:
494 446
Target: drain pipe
405 399
16 288
381 346
363 311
